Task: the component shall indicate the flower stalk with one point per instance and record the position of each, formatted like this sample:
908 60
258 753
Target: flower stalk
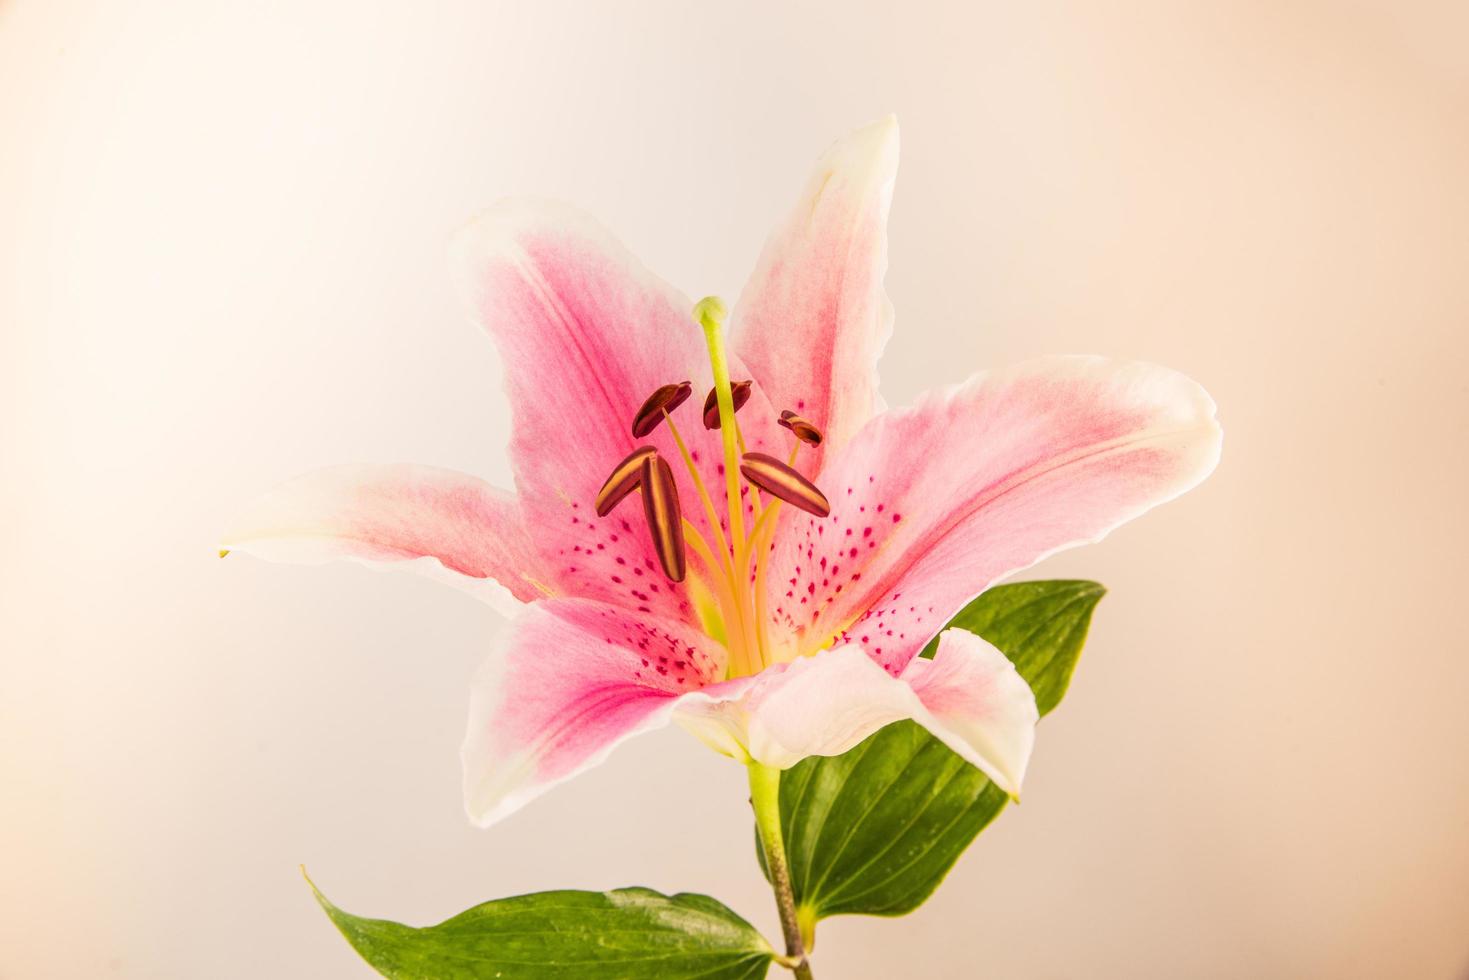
765 799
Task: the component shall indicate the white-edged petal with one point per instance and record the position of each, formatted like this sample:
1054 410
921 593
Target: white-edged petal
977 704
933 504
567 682
814 317
587 333
450 526
970 697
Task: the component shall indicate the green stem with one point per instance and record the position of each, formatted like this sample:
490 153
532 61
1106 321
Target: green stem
765 798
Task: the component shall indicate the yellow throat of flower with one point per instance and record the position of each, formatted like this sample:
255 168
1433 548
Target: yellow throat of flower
727 587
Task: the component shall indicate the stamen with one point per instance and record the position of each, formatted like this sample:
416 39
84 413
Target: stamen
703 491
739 391
665 520
623 481
780 480
665 399
696 541
803 429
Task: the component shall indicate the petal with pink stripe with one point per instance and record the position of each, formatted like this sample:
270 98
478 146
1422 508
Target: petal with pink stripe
586 334
932 505
451 526
814 318
570 680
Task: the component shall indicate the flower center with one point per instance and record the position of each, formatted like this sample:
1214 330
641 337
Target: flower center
729 592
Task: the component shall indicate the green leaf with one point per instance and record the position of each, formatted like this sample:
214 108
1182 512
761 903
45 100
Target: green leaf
567 935
874 831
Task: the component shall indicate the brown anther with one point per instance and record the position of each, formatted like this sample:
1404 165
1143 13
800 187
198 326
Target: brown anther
803 429
779 480
665 399
665 519
739 391
623 481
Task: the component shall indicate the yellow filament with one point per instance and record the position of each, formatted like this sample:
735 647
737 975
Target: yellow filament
729 596
709 511
719 576
755 500
762 534
765 522
701 547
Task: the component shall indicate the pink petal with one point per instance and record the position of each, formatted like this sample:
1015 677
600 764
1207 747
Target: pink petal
454 527
570 680
977 704
814 318
970 697
932 505
586 334
819 705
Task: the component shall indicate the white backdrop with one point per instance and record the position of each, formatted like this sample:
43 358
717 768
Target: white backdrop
222 229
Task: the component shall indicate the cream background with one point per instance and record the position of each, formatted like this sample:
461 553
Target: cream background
221 240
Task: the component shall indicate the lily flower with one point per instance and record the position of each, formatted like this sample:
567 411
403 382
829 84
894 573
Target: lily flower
763 569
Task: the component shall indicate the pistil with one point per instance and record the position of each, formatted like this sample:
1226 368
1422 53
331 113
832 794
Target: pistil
710 312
